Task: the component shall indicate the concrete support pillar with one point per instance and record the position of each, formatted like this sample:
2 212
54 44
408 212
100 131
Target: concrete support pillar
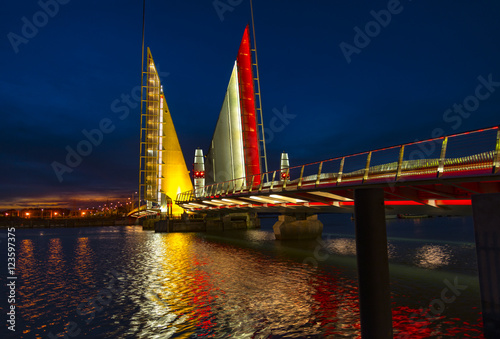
373 264
244 220
486 212
289 228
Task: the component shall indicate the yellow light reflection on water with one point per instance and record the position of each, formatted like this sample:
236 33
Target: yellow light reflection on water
84 261
167 284
433 256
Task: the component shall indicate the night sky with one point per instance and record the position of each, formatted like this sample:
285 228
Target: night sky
341 92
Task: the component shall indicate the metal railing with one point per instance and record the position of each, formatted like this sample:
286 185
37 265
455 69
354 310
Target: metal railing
470 154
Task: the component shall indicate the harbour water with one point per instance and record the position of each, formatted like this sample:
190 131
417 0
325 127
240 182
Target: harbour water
122 282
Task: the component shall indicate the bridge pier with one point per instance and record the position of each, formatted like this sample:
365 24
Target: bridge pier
232 221
288 227
373 264
486 213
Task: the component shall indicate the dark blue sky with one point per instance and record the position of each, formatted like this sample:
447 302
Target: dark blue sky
63 77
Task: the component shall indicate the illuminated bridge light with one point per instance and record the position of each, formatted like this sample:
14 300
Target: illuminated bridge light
236 202
264 200
289 199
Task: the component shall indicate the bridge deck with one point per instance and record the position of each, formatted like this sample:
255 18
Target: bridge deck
438 183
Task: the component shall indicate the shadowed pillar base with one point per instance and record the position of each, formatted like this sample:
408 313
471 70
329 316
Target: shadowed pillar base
486 211
289 228
373 264
232 221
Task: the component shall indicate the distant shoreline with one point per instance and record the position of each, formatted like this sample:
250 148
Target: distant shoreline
22 223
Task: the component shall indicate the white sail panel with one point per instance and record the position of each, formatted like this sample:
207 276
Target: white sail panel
225 159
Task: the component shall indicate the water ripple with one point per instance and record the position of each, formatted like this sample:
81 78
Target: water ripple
124 283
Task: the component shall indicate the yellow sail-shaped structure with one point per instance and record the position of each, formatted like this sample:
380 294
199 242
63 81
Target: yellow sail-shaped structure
163 170
175 175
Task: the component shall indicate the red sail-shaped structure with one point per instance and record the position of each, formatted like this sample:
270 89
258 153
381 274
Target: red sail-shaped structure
248 111
234 152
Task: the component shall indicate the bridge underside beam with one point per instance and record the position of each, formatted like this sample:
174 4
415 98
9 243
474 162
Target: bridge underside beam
405 193
441 197
314 198
486 213
373 263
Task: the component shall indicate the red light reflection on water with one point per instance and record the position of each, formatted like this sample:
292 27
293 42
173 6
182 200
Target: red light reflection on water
413 323
203 290
336 305
336 308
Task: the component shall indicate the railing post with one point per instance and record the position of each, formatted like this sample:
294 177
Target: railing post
496 155
286 177
339 177
261 182
442 157
243 184
234 186
367 167
272 181
251 184
319 173
299 185
400 162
